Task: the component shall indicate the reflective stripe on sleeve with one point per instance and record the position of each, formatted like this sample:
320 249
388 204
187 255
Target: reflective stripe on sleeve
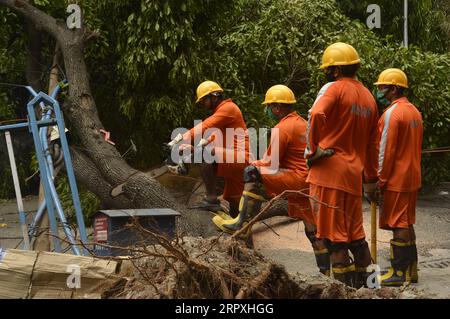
308 125
384 135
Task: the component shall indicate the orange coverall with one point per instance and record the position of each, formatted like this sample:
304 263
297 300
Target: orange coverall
231 156
400 131
291 173
343 117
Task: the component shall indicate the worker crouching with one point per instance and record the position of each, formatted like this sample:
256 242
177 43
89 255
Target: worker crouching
230 157
281 168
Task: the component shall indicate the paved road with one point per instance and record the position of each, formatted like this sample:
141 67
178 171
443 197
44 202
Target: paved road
293 249
10 236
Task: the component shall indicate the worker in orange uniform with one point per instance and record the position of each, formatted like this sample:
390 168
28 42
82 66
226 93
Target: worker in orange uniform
230 157
341 152
400 131
281 168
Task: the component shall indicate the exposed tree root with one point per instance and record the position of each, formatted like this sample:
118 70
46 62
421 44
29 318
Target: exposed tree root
219 267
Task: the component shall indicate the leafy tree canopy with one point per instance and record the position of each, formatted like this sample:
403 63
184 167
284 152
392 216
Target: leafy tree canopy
150 56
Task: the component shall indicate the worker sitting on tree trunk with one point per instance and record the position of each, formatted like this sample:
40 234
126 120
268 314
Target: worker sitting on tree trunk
400 131
281 168
343 118
226 133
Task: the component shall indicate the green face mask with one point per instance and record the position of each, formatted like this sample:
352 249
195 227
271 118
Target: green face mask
270 114
381 97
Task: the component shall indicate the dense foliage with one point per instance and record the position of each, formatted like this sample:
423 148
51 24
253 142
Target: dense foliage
151 55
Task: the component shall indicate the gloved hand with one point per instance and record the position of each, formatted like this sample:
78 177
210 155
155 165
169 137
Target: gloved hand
180 169
319 154
371 192
206 141
203 142
176 140
167 148
184 148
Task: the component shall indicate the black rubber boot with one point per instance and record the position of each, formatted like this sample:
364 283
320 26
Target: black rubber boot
361 276
323 261
345 275
412 274
402 257
362 259
322 255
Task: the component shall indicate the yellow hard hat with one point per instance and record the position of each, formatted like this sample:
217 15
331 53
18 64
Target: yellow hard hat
393 77
279 94
206 88
339 54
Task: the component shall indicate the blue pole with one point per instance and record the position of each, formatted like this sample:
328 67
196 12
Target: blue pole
31 90
62 217
46 166
16 126
22 217
58 88
43 171
44 140
37 217
41 209
50 177
70 173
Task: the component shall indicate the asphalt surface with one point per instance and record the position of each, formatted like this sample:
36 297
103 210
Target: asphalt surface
285 242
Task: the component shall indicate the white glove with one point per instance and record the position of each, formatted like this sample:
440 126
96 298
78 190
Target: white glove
173 169
176 140
203 142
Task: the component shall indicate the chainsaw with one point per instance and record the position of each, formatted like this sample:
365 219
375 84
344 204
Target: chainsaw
180 167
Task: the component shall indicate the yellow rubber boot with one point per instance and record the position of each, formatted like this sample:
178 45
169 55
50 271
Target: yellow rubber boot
218 220
223 215
402 257
248 207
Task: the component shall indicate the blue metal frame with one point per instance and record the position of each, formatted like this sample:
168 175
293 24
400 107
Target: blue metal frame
41 123
43 168
46 166
70 173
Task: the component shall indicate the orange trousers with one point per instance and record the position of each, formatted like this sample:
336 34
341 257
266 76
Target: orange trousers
286 179
231 168
398 210
343 221
233 174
